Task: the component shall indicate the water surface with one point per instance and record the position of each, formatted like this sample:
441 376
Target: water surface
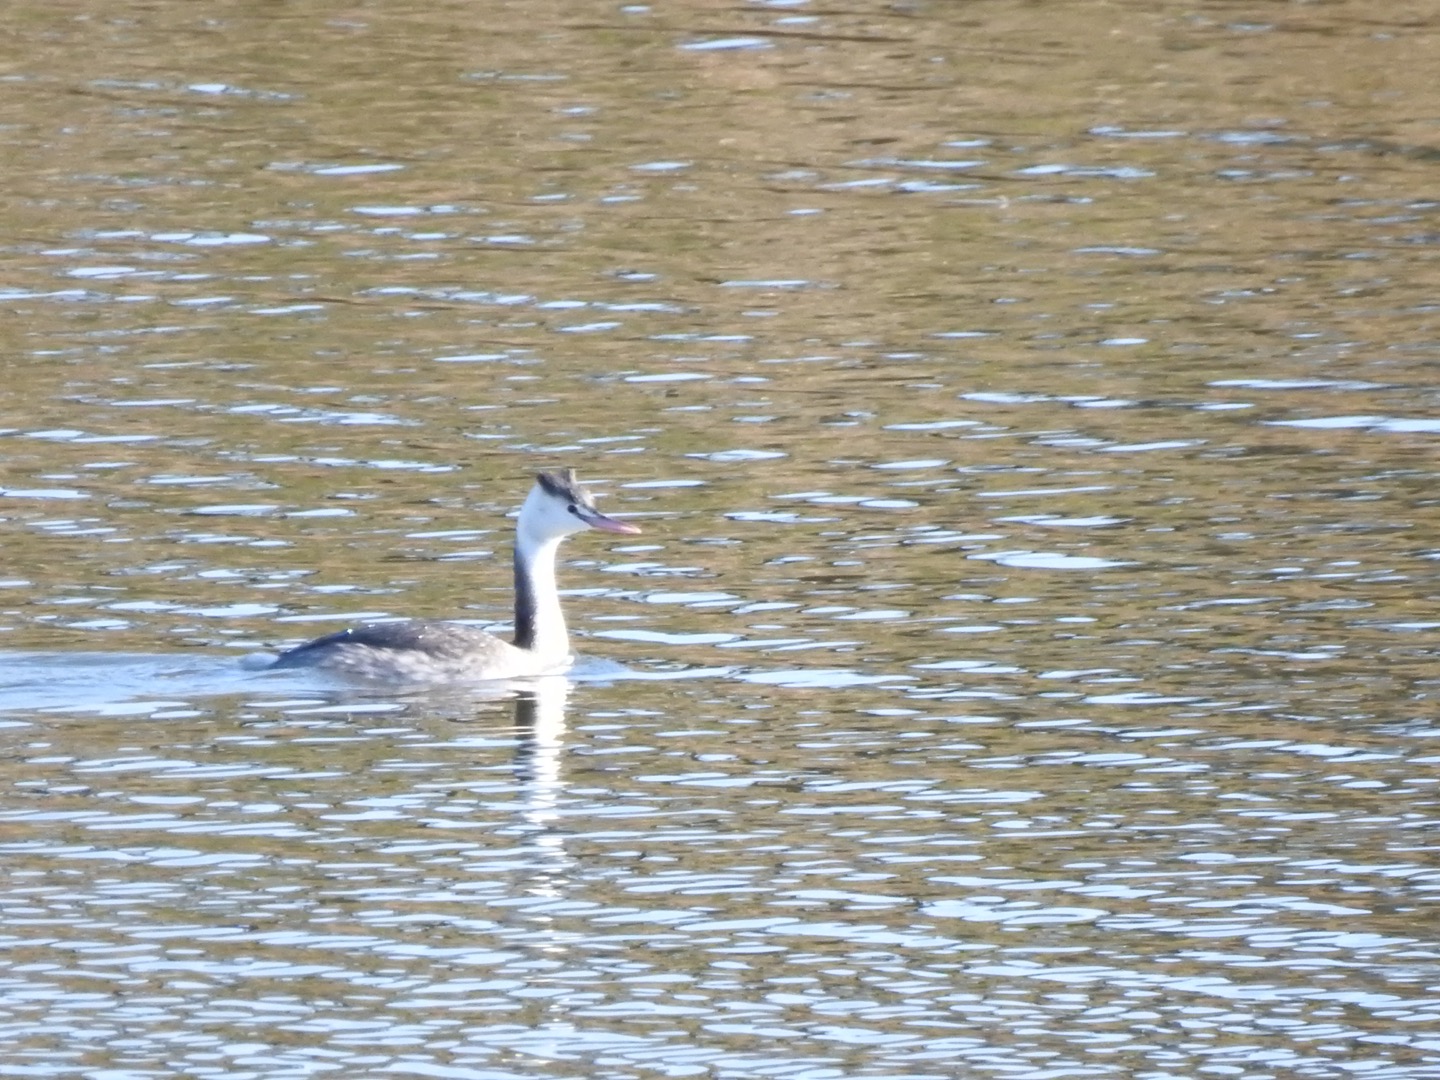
1025 670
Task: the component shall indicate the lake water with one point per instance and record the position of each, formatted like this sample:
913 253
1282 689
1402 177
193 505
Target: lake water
1026 668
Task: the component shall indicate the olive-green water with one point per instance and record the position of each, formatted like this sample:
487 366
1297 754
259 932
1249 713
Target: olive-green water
1026 668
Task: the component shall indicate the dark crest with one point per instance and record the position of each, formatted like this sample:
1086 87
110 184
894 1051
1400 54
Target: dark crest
564 485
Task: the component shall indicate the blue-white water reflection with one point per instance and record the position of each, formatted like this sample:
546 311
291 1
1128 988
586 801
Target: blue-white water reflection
768 872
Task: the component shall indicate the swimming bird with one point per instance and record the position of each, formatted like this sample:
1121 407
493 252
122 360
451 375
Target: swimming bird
420 650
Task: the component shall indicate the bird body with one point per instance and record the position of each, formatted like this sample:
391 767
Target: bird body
421 650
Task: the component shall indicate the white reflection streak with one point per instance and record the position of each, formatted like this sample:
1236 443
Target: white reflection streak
540 718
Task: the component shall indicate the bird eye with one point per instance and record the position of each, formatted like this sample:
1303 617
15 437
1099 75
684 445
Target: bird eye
572 509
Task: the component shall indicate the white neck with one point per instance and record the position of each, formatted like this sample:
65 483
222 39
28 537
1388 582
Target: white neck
539 622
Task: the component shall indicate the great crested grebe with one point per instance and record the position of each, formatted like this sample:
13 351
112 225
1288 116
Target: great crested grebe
419 650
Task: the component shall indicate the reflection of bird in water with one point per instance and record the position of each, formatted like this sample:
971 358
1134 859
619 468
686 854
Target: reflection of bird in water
417 650
540 720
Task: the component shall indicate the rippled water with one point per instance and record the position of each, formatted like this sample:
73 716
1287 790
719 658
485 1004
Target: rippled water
1025 670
